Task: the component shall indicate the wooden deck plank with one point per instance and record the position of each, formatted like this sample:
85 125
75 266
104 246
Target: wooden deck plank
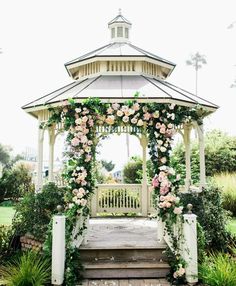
126 282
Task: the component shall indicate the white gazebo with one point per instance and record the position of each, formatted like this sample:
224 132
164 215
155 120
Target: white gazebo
114 73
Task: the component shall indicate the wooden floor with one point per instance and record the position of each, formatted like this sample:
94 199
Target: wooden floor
122 233
127 282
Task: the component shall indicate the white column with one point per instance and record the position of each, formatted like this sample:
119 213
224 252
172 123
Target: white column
51 133
189 250
186 136
58 249
160 230
144 142
200 132
94 203
40 159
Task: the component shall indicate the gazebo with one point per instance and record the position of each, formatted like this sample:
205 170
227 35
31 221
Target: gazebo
117 73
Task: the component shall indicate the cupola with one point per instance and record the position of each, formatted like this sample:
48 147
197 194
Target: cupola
119 29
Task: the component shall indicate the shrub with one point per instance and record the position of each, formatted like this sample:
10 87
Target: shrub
29 269
207 205
227 182
220 155
16 182
219 269
5 238
34 212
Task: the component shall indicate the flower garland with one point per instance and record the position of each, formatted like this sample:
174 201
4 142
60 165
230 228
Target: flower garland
158 120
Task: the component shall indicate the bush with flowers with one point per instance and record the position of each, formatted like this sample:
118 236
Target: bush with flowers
157 121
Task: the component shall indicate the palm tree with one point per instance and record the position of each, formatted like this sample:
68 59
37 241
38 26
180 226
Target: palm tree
197 61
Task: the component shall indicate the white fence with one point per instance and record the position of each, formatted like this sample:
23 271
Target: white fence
121 198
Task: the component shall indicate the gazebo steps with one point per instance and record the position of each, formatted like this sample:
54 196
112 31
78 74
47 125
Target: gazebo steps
124 263
126 270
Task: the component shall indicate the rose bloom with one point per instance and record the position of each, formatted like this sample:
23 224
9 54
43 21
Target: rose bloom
178 210
155 182
90 142
110 119
84 119
136 107
78 121
134 120
124 108
159 142
163 160
125 119
119 113
163 149
146 116
172 106
140 122
110 110
170 125
83 139
90 122
164 190
156 114
131 111
115 106
78 110
162 130
87 149
88 158
75 142
65 109
158 125
162 198
75 192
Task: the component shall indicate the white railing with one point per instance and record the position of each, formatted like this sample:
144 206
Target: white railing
121 199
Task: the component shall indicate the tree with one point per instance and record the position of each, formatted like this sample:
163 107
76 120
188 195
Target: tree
15 182
196 61
220 155
109 166
5 154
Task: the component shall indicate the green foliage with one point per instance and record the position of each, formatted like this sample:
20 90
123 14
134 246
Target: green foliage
15 182
218 269
132 172
109 166
5 238
29 269
34 212
5 154
227 182
220 155
207 205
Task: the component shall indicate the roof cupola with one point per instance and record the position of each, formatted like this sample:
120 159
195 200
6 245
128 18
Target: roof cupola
119 29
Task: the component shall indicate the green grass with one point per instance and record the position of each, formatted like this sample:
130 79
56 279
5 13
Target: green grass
232 226
6 215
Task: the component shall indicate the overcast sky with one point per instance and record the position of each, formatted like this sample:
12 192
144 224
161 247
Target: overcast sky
38 37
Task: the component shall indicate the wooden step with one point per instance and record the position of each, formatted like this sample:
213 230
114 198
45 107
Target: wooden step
113 269
134 254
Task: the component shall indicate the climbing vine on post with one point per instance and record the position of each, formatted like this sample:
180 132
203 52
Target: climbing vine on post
80 121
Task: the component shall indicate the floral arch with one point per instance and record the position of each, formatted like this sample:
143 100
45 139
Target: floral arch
157 121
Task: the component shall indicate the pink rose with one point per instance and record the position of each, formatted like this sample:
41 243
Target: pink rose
75 142
178 210
155 182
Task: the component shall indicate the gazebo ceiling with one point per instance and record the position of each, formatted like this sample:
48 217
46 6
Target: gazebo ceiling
120 89
115 72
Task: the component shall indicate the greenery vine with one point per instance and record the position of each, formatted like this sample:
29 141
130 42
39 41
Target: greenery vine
159 121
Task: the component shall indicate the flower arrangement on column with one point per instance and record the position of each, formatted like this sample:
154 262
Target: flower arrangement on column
159 121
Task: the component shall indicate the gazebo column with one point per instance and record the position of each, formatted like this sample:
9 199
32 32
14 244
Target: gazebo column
40 159
52 138
187 144
144 143
200 131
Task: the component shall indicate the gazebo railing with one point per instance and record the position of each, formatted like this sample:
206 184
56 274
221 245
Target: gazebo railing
120 199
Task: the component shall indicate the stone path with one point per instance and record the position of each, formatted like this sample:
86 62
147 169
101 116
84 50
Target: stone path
127 282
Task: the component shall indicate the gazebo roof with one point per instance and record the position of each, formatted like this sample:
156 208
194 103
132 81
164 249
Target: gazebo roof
120 89
119 50
117 71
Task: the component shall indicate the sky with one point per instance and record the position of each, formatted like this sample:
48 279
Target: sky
38 37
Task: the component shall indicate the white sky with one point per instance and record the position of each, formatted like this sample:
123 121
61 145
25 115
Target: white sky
38 37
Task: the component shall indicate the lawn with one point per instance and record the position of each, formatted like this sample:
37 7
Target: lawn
6 215
232 226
